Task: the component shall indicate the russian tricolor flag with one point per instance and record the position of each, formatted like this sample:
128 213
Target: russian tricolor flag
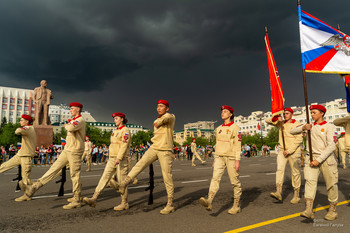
63 141
324 49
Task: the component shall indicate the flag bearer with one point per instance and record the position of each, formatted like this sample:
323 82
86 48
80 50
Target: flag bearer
161 149
119 161
228 154
289 151
25 154
323 146
194 151
71 155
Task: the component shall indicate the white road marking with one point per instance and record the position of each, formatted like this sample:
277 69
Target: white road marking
7 174
199 168
272 173
90 176
193 181
138 187
244 176
255 164
48 196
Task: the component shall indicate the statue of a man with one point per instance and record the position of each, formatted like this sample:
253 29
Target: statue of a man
42 99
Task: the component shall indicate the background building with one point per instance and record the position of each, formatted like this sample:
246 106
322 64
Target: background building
15 102
250 124
197 129
61 113
111 126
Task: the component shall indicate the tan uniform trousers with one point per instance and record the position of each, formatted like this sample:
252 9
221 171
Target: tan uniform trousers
195 154
26 164
220 163
88 158
294 163
343 157
74 161
330 174
122 170
166 162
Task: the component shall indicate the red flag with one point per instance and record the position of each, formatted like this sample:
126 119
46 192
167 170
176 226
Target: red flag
277 97
259 126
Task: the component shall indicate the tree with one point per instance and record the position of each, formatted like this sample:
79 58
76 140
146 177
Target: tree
141 138
200 141
7 134
57 136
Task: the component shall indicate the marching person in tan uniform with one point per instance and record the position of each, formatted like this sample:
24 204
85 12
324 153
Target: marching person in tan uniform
323 146
227 155
290 152
194 151
344 122
161 149
87 153
24 155
119 153
71 155
341 150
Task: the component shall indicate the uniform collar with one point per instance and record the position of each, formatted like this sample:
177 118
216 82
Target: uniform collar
120 127
229 124
322 123
292 121
76 117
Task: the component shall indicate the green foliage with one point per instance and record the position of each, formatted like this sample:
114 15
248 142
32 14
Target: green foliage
200 141
7 133
98 136
57 136
176 144
271 139
141 138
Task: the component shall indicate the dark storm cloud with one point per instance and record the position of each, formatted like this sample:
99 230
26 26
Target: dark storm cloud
197 54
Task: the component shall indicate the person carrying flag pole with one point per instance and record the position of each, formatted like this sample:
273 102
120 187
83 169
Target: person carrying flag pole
289 145
324 49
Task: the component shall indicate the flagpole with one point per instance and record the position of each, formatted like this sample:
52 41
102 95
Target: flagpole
307 109
307 115
282 127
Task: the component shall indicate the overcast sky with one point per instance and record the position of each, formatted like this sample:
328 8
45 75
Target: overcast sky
125 55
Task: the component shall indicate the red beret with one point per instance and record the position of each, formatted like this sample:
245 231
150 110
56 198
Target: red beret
87 136
227 107
76 104
163 102
342 133
318 107
28 118
119 114
289 110
193 139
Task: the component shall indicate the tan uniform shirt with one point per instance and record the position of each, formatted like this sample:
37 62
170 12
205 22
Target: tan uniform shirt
163 135
75 135
28 141
344 122
292 142
322 140
88 146
193 147
120 143
228 141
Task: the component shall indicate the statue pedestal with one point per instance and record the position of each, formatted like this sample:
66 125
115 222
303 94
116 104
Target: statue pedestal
44 135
